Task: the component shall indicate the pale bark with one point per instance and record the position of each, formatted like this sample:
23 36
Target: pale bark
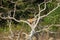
33 25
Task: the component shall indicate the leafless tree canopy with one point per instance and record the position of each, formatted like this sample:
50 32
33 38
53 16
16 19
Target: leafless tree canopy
33 22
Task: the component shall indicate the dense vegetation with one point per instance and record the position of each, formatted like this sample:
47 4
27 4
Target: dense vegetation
26 9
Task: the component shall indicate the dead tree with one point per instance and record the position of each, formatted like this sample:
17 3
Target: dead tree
33 25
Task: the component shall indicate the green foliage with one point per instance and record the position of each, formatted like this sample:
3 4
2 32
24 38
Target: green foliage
26 10
54 29
53 18
4 29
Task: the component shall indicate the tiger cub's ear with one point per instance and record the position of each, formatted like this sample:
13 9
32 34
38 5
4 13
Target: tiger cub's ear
31 20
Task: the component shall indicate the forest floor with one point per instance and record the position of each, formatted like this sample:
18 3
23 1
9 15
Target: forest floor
56 37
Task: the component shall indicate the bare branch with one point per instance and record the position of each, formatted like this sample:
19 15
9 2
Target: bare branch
51 11
44 7
46 28
14 9
33 25
39 13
